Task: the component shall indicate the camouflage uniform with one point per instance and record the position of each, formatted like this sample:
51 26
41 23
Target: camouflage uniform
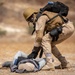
46 40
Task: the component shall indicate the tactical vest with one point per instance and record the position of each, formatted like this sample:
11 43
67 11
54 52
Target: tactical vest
55 22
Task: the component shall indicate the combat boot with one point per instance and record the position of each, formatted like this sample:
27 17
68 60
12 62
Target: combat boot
49 65
64 64
58 55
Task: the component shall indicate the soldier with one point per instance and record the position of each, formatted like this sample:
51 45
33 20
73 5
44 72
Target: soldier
48 35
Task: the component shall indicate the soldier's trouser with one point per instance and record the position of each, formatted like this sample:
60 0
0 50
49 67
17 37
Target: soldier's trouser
67 31
59 56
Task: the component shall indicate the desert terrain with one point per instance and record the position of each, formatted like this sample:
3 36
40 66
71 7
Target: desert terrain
15 35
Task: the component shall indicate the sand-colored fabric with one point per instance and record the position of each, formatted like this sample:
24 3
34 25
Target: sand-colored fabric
27 66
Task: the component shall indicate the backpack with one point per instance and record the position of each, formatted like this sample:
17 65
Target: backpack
56 7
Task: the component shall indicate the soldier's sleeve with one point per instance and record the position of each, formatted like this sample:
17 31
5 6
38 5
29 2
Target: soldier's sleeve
40 26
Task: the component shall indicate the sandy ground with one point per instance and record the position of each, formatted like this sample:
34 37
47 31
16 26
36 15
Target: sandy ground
9 49
11 15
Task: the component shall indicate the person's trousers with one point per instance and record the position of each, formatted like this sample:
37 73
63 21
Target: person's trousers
47 43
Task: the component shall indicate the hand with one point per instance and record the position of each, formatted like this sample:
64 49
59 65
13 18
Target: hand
34 52
32 55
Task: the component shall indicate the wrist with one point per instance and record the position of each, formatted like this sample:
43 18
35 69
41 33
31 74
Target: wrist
35 48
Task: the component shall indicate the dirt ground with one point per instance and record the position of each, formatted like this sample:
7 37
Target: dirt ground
9 49
11 15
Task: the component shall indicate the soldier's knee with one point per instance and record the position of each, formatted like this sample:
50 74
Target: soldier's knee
71 27
68 28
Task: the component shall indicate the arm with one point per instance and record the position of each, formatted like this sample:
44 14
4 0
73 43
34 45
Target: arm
40 25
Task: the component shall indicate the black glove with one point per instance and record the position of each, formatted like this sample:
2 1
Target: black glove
55 33
34 52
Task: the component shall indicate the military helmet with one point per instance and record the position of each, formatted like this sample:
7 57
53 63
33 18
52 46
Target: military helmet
28 12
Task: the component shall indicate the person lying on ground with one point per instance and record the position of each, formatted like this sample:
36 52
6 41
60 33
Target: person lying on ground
21 63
